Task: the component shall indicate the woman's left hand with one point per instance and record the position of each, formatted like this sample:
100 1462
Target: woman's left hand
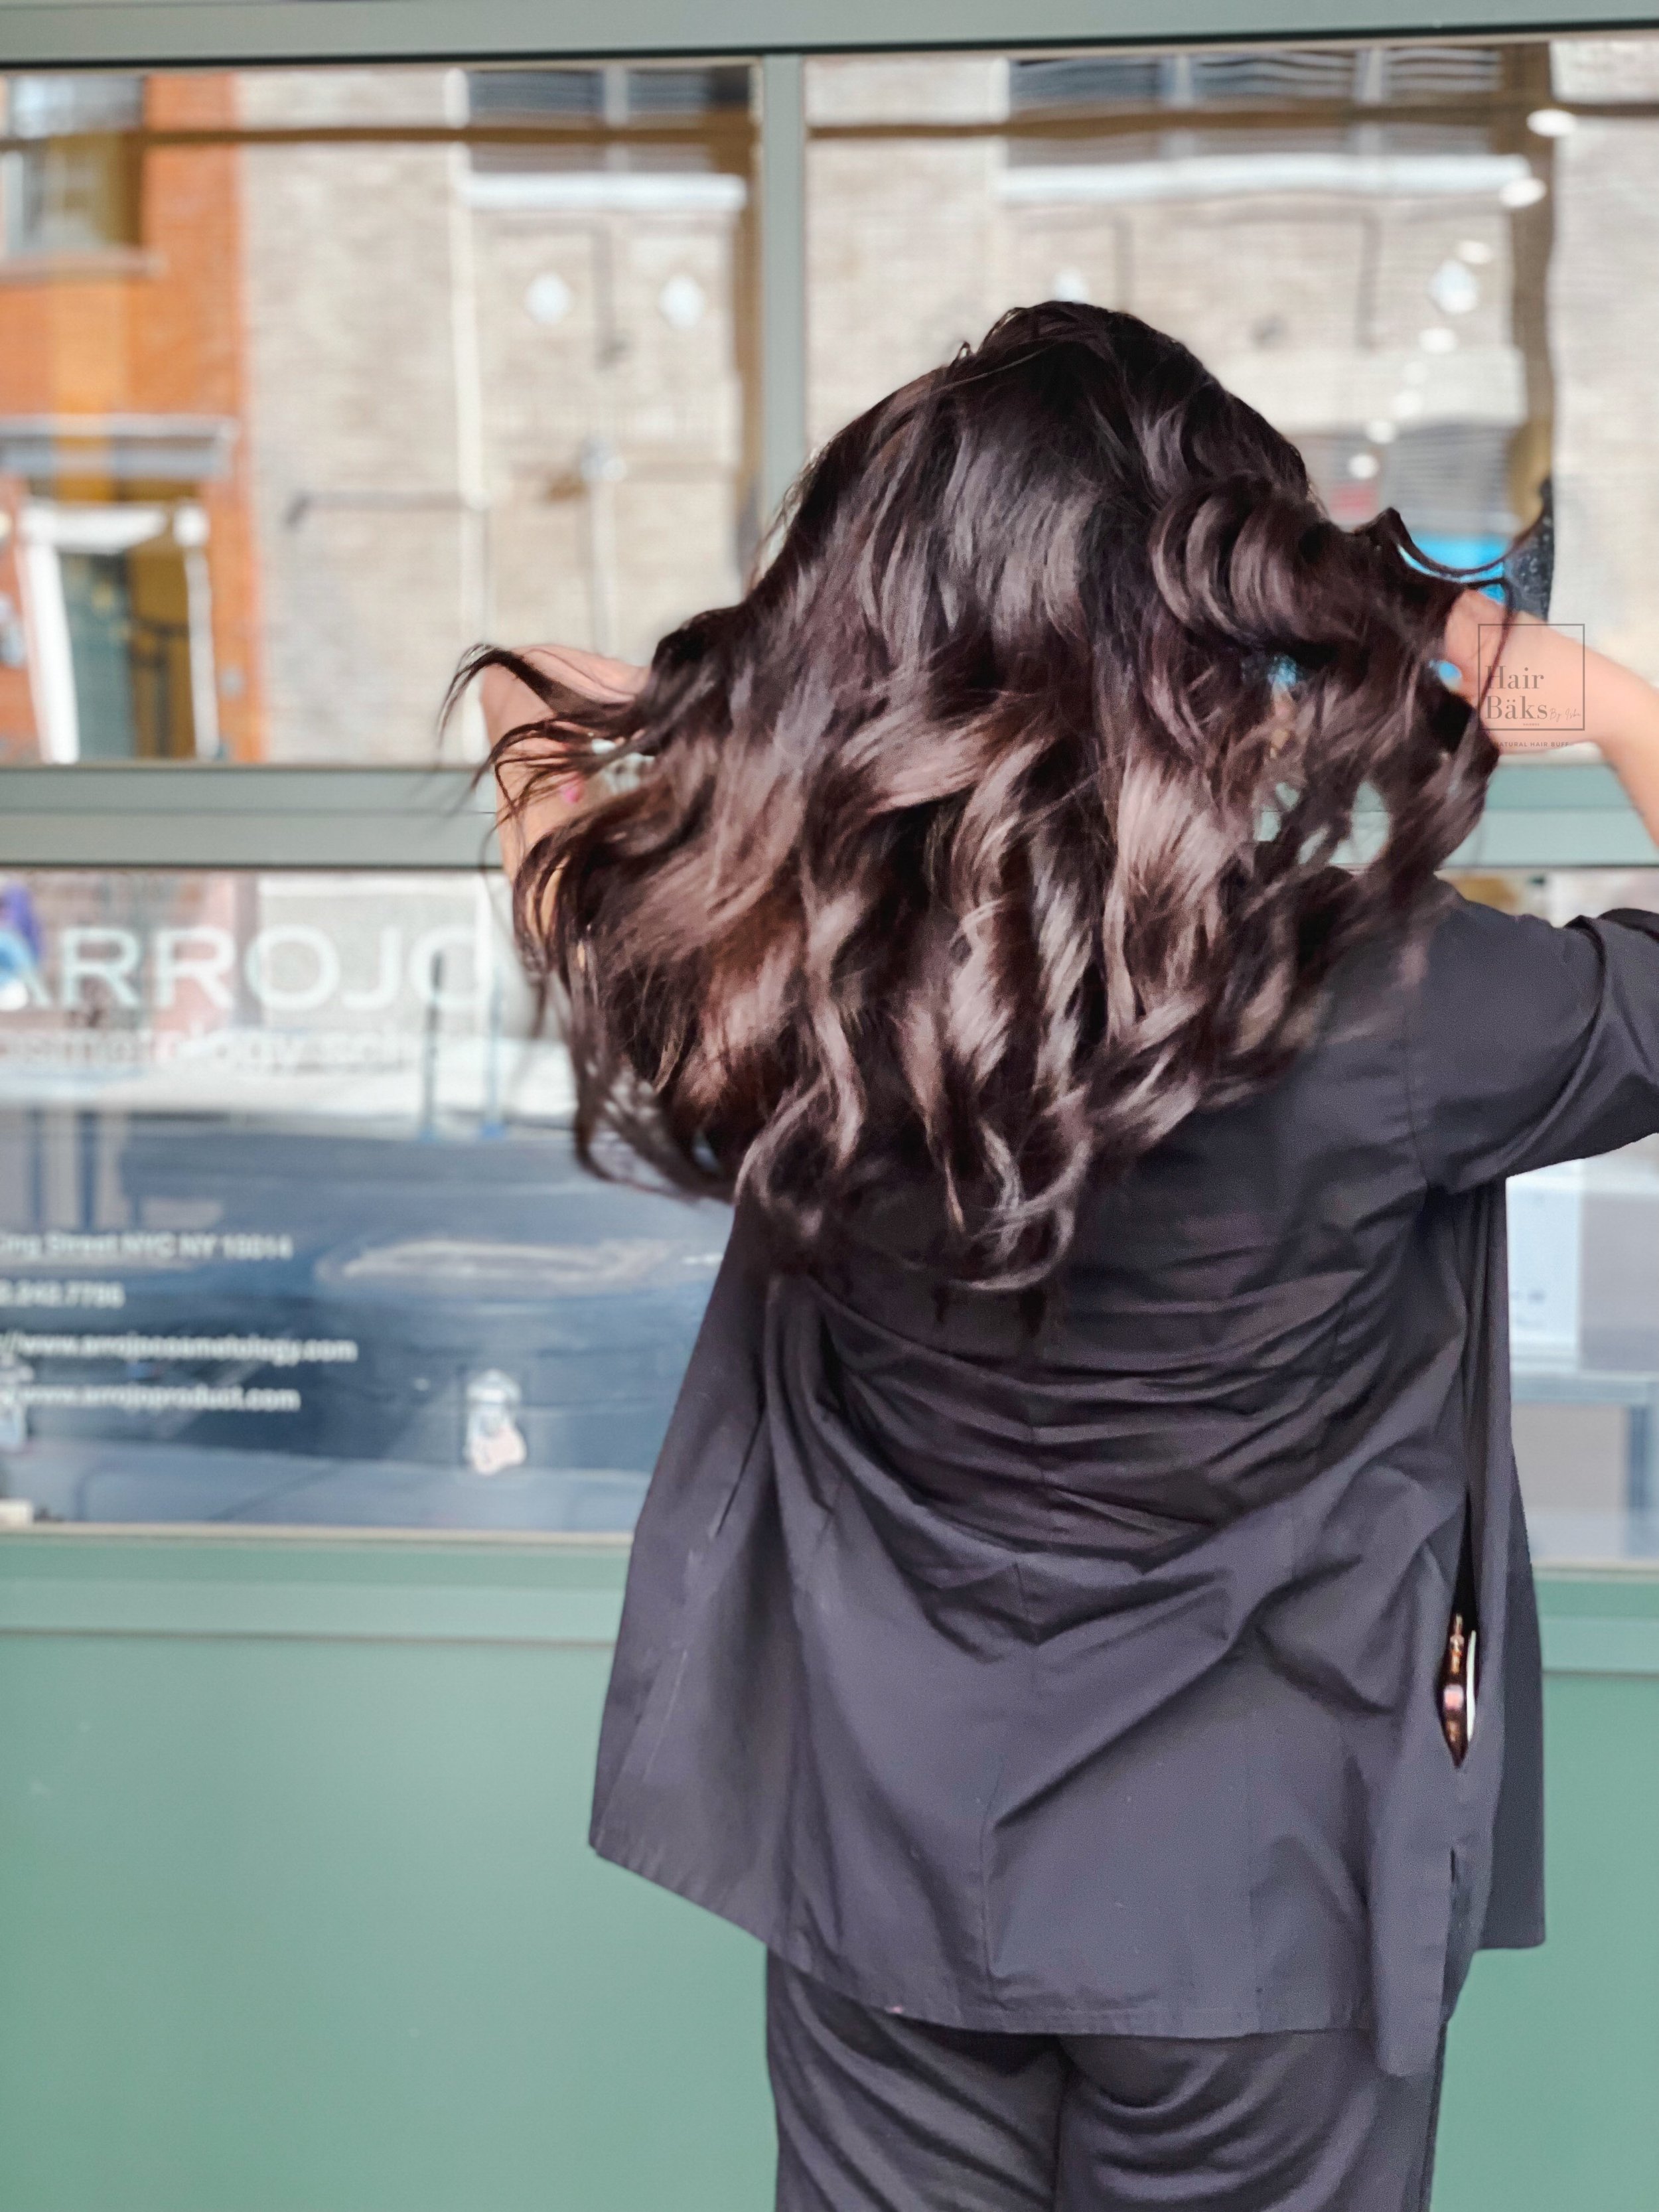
507 704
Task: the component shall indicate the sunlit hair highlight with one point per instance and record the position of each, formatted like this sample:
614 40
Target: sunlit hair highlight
995 829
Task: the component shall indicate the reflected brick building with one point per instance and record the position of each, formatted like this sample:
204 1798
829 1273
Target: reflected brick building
131 627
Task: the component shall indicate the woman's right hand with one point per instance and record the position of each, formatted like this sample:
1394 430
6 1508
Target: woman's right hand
1548 689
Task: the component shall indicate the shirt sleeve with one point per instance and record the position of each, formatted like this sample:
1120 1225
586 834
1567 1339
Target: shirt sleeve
1528 1044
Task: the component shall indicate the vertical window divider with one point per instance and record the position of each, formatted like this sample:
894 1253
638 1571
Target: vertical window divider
783 275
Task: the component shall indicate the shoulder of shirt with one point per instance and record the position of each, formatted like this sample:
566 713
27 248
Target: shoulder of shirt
1467 950
1455 920
1442 944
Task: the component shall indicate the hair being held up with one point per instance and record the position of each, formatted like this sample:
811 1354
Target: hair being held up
994 830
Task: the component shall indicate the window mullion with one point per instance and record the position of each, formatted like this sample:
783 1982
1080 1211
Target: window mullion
145 815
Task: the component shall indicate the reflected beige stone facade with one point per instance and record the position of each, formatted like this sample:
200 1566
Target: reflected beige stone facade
487 405
1604 333
1315 303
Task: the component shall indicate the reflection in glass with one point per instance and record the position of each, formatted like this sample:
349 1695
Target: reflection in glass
1430 264
1584 1297
75 188
310 379
290 1226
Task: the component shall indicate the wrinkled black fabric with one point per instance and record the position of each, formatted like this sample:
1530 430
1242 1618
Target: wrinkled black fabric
884 2114
1085 1683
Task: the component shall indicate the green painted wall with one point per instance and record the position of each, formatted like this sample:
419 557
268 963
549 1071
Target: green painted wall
296 1913
1553 2081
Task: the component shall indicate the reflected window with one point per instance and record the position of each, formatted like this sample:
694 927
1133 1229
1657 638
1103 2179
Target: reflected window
311 379
76 190
613 94
291 1227
121 604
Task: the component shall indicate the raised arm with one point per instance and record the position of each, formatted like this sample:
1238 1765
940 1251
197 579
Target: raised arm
1620 709
1528 1044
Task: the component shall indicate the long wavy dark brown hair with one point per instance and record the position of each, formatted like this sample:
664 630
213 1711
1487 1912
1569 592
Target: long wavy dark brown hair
996 828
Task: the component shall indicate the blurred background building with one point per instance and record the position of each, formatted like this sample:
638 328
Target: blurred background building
310 378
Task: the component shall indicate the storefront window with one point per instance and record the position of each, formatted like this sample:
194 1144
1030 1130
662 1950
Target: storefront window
310 379
291 1228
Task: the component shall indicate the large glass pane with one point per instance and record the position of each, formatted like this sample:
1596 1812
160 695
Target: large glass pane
311 379
1434 267
290 1225
1584 1297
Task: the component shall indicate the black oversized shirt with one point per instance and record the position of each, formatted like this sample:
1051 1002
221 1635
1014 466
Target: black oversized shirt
1085 1682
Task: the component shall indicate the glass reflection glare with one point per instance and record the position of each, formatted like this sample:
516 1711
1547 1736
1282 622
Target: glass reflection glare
291 1228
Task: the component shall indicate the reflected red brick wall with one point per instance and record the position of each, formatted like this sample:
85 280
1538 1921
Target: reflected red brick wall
154 328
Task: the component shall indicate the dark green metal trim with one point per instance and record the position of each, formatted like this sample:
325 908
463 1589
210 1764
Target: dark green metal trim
345 1586
1570 816
1538 816
317 1587
783 276
163 816
1542 814
156 32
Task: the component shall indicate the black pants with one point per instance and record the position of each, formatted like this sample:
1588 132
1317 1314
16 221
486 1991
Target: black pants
881 2114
